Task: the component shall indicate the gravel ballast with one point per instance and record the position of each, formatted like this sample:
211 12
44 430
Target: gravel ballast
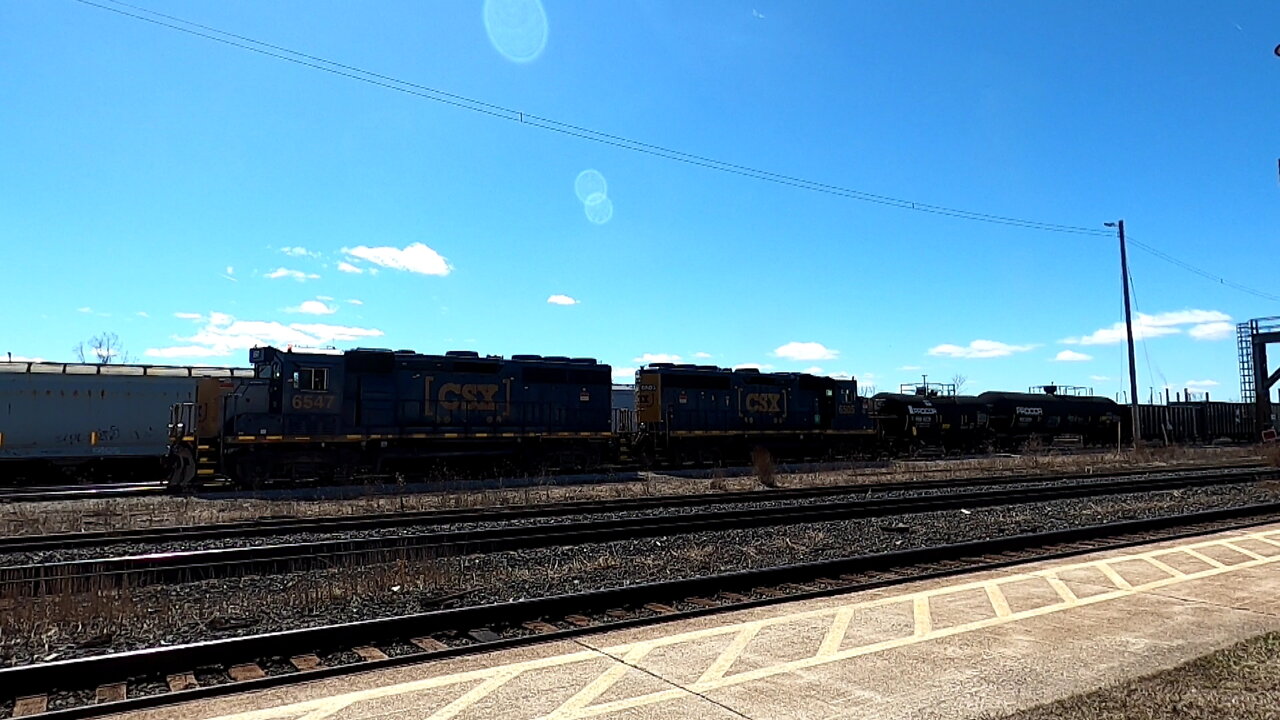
118 620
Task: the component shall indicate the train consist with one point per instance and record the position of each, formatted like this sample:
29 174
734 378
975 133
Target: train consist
306 416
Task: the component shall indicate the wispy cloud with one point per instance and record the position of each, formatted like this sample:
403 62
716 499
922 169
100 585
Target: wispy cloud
1201 384
10 357
188 316
561 300
1159 325
354 301
313 307
298 251
805 351
624 375
1212 331
347 267
979 349
222 335
298 275
414 258
143 314
1072 356
647 358
703 355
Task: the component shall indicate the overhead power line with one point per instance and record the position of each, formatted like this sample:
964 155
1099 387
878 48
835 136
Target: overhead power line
544 123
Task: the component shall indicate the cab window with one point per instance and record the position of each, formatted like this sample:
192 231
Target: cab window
312 379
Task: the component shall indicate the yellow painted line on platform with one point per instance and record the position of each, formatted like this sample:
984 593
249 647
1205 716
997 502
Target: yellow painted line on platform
477 685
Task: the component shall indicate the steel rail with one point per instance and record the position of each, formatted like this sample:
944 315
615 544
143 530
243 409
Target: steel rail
338 523
193 565
862 572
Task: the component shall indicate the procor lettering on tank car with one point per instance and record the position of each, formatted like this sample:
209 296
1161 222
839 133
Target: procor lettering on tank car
709 415
313 416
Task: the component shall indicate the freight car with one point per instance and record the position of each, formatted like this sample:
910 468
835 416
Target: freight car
924 424
313 416
708 415
64 422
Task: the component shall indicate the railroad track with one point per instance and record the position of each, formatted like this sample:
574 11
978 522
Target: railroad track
101 491
269 526
128 681
194 565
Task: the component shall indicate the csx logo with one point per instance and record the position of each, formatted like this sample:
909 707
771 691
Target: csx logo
467 397
764 402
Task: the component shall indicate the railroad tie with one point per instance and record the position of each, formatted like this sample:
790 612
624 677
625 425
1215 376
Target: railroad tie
617 614
703 602
484 635
580 620
182 681
429 644
306 662
30 705
113 692
540 627
734 597
369 653
247 671
660 608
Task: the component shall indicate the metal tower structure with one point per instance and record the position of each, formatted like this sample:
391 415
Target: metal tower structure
1256 378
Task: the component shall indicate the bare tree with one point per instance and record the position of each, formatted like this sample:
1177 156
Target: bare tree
104 349
958 381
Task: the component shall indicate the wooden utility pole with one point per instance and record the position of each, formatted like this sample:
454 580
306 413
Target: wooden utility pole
1128 325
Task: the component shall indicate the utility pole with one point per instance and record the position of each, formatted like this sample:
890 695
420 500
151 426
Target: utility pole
1128 325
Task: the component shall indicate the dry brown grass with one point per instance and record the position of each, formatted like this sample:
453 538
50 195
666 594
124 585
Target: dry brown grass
764 467
130 513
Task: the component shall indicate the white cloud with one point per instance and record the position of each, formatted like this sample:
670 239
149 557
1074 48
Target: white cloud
313 307
815 370
85 309
347 267
353 301
647 358
702 355
142 314
753 366
1158 325
21 358
624 375
805 351
231 270
326 298
979 349
415 258
1072 356
188 316
561 300
295 274
911 367
1212 331
297 252
1099 378
1200 384
223 335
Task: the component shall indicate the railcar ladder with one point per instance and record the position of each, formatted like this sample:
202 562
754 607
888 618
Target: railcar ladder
206 460
1244 346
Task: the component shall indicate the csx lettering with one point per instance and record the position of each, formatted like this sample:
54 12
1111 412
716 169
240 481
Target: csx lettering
763 402
467 397
1030 411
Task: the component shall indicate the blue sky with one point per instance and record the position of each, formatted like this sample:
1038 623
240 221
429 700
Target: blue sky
197 198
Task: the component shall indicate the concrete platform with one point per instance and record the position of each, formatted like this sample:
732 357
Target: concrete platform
962 647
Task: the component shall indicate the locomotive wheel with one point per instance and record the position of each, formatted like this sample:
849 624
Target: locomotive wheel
182 467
